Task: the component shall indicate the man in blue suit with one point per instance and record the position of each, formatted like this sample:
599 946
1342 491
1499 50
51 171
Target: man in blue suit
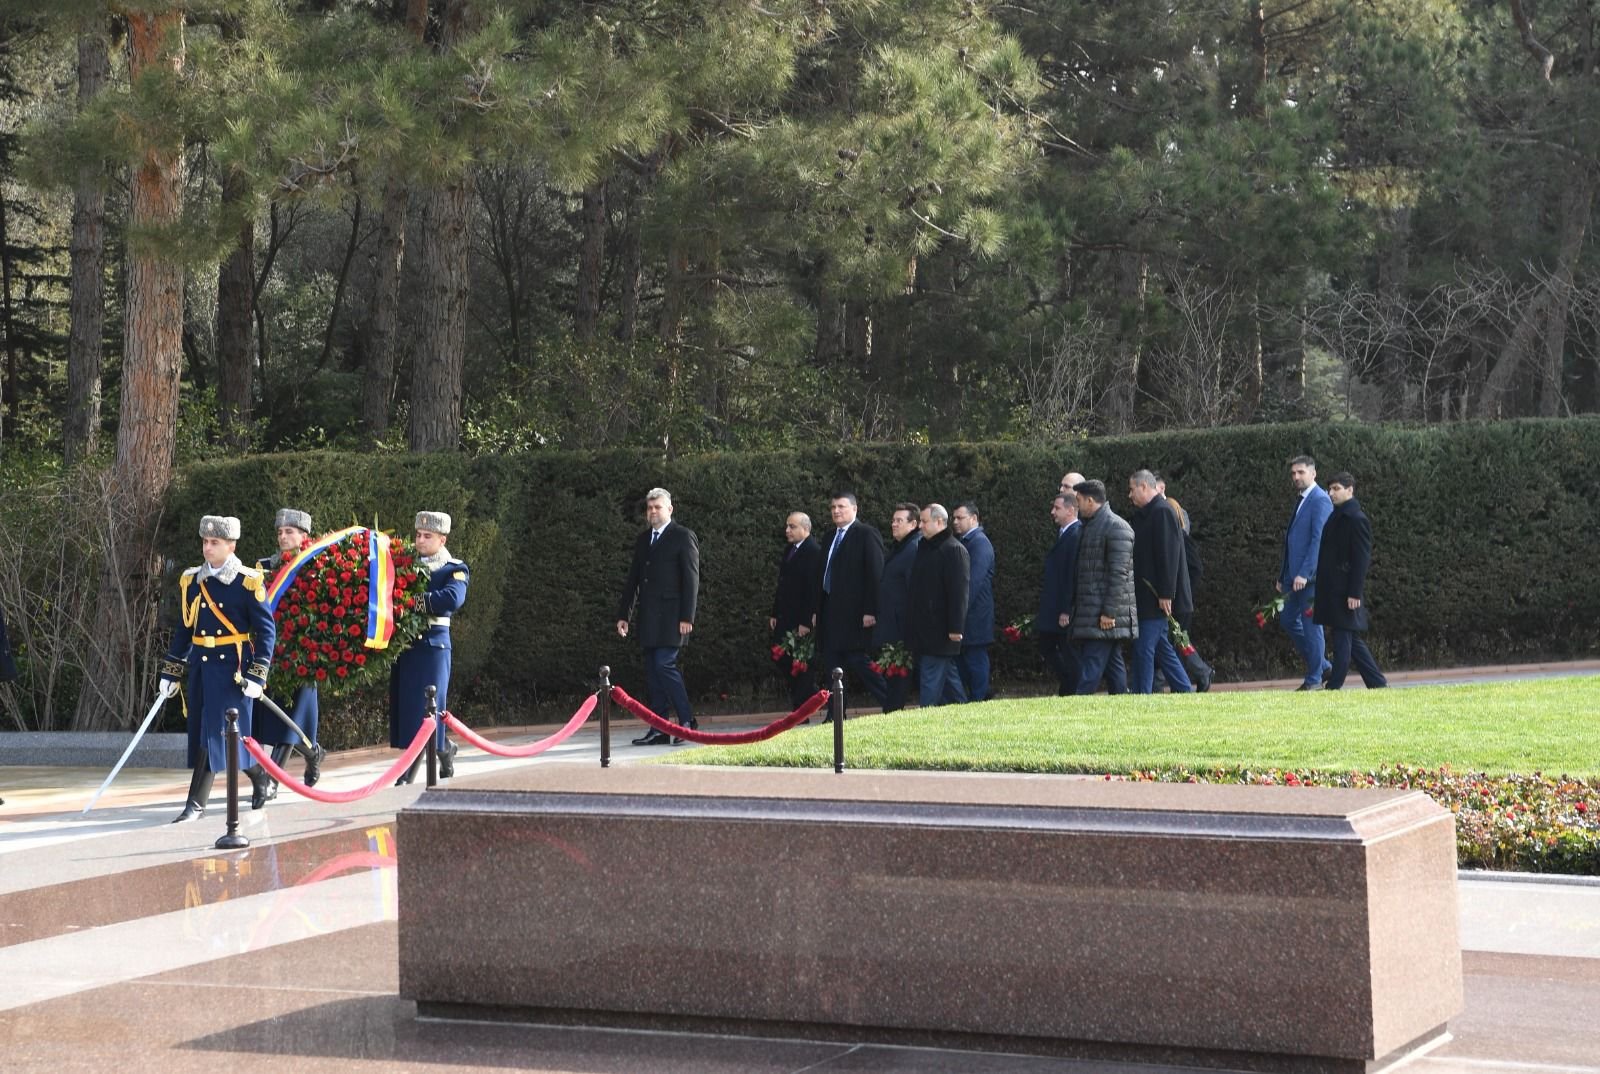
979 632
1053 622
1299 568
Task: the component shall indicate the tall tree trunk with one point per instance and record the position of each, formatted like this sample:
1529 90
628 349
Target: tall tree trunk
1394 268
8 324
591 259
81 431
436 371
147 424
1546 315
344 278
236 284
1133 283
377 382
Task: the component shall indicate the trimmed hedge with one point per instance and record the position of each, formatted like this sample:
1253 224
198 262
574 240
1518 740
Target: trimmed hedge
1483 538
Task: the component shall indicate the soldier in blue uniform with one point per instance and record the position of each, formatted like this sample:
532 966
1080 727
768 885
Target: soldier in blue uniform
223 645
427 662
294 530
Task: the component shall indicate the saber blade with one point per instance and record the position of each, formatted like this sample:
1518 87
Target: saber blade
137 735
272 707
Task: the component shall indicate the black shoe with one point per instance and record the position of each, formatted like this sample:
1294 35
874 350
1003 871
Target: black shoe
314 764
1202 680
1307 686
194 807
447 761
693 725
652 737
260 787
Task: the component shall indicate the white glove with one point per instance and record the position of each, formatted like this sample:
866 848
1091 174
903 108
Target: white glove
252 689
166 688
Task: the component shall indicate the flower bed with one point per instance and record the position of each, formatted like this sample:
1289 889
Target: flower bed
1534 824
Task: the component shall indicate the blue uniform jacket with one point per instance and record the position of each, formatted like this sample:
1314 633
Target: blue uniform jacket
225 635
1303 538
1060 578
427 661
980 594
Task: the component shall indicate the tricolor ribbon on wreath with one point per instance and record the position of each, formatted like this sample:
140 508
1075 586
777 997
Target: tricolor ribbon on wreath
380 579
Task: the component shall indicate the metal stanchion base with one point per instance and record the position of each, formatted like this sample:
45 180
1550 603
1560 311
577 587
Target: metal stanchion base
233 841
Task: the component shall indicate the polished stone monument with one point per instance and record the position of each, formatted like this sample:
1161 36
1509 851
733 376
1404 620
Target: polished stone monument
1239 928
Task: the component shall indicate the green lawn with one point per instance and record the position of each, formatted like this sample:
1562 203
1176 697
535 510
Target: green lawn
1547 725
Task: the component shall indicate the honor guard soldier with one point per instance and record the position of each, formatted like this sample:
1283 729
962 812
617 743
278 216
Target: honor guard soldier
294 530
427 662
224 647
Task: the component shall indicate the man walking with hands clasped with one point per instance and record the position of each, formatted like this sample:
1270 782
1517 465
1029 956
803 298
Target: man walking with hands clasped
664 583
1298 569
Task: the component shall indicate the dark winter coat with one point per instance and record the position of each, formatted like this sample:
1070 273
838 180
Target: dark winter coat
940 576
1105 579
1060 577
1343 559
664 579
980 594
1159 568
894 590
854 576
794 603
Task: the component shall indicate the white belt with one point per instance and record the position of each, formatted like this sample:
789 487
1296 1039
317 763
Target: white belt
439 620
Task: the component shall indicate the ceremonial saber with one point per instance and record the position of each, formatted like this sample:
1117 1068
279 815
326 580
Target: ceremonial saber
160 700
272 707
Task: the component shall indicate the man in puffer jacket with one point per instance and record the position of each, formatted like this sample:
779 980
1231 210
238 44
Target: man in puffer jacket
1104 607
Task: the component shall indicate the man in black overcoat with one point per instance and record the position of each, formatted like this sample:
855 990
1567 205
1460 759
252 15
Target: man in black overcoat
794 604
852 566
1343 559
1052 623
893 594
940 589
664 582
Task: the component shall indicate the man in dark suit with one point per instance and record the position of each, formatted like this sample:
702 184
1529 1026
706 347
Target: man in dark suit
664 581
847 607
794 604
1161 586
1298 570
894 591
979 632
1343 559
1052 622
940 579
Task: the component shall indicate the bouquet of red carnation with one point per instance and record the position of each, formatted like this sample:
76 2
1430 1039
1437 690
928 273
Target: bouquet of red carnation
331 633
1269 610
800 650
894 661
1017 629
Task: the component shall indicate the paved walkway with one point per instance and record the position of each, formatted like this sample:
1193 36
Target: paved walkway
128 944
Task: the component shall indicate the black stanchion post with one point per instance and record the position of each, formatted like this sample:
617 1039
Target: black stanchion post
836 701
232 840
433 736
605 716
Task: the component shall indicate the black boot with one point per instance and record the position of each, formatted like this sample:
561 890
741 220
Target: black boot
199 793
410 773
447 760
262 789
314 761
280 754
1200 672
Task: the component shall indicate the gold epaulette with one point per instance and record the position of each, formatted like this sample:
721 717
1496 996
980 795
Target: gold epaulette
253 582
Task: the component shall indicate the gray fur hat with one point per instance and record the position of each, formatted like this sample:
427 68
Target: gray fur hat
290 517
224 526
434 522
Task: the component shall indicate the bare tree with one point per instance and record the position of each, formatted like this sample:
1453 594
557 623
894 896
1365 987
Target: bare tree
1061 376
1201 368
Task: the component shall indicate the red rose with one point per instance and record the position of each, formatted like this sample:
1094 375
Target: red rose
355 630
777 652
343 671
361 659
309 643
800 667
300 670
347 656
1261 621
324 608
344 576
1582 807
877 668
326 647
321 674
338 612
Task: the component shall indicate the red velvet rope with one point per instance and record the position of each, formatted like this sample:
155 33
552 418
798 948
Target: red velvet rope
721 738
418 744
532 749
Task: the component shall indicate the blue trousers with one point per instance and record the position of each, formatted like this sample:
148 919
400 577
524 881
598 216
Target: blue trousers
1060 655
665 683
1306 635
939 680
1153 645
854 661
973 667
1349 646
1099 659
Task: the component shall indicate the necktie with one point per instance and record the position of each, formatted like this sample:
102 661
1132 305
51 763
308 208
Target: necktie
827 570
653 535
792 550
